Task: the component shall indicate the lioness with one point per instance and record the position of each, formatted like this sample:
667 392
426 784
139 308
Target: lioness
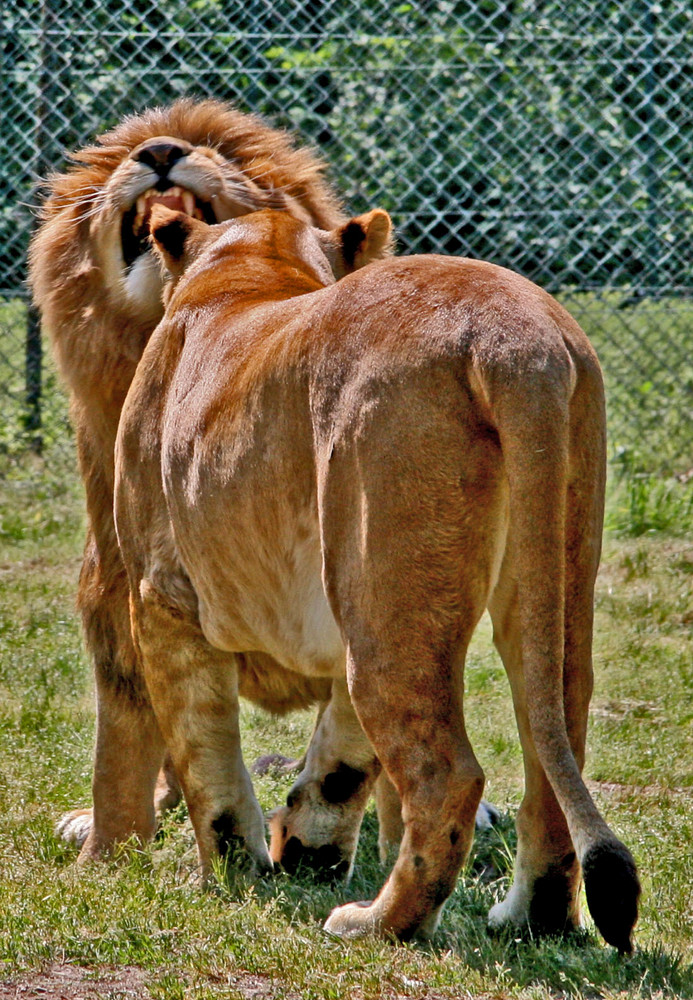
98 287
343 476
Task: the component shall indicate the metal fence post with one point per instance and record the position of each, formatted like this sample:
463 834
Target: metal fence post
650 151
33 377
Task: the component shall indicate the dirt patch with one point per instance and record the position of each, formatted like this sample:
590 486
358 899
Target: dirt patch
251 987
72 982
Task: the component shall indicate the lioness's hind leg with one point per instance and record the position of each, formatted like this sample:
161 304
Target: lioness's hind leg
410 570
194 691
389 810
405 678
423 745
544 894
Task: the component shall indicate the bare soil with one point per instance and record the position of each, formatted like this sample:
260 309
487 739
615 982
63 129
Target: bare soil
73 982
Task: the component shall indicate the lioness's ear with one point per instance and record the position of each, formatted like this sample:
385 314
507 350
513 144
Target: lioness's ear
363 239
176 237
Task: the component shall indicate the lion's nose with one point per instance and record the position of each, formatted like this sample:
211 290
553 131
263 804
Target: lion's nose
160 156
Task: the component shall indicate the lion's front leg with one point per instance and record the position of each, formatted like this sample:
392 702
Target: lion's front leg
129 753
123 803
194 691
319 826
545 891
167 791
129 749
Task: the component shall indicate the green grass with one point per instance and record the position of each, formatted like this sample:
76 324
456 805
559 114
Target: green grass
645 352
15 418
145 910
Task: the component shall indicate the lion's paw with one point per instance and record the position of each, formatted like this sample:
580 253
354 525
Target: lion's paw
513 911
486 815
351 921
75 826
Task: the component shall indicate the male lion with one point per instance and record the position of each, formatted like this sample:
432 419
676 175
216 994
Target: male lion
98 286
343 476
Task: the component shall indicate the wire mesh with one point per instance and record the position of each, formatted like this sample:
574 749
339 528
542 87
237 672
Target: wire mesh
552 137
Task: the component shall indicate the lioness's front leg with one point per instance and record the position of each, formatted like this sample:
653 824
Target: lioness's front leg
319 826
194 691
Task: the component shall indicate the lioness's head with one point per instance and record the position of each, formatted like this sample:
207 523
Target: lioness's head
276 237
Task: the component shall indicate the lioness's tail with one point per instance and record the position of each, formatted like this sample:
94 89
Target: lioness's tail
530 400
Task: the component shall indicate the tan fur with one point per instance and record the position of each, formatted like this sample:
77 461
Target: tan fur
343 476
99 316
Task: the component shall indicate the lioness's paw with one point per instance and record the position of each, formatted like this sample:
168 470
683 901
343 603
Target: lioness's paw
351 921
486 815
75 826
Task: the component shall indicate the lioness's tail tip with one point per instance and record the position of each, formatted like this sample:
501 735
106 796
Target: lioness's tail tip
612 889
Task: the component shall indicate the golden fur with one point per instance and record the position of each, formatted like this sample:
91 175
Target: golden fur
98 287
343 475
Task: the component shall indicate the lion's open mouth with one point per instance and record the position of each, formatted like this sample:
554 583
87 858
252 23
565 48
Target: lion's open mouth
135 229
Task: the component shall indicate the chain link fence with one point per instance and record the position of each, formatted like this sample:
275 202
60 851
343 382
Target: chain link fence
555 138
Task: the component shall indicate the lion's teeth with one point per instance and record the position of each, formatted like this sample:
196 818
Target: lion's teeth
188 202
175 193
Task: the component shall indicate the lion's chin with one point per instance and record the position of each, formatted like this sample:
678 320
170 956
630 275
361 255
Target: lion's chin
143 287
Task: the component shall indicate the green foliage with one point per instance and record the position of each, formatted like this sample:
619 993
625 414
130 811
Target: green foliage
649 386
550 137
645 502
17 435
